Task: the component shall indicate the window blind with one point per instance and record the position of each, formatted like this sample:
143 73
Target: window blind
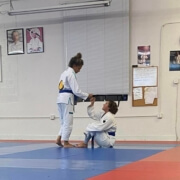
102 36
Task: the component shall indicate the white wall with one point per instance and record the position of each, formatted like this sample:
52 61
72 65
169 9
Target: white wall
147 20
28 92
30 81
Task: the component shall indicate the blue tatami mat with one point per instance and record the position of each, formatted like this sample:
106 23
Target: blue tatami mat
28 161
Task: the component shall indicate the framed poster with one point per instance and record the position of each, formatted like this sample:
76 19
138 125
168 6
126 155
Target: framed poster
144 55
34 40
174 61
15 41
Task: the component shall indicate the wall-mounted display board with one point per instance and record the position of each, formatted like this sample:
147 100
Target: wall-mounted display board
145 82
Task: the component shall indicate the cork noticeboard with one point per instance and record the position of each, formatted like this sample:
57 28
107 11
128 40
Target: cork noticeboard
144 83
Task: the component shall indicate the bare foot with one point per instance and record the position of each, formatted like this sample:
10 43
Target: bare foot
58 141
59 144
68 146
81 145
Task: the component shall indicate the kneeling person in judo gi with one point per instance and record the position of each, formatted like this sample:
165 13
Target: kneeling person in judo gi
104 128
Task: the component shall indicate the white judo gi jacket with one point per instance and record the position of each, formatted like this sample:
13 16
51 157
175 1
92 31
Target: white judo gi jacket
68 81
104 123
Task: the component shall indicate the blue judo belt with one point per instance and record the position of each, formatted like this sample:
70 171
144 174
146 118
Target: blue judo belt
111 133
65 91
69 91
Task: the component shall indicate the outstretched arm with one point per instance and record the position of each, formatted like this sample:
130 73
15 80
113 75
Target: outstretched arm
91 112
92 100
75 88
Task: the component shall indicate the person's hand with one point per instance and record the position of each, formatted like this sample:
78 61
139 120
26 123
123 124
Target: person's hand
92 100
90 96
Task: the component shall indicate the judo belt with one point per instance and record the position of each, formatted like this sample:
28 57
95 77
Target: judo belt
69 91
111 133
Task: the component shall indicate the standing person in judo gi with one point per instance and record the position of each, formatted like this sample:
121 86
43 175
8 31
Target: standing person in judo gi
104 128
68 89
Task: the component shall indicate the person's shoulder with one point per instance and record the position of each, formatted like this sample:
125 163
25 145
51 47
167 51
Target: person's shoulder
71 72
110 115
70 69
66 72
31 40
11 44
35 39
19 42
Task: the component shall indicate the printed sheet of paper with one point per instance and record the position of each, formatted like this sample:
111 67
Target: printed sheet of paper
150 93
145 76
137 93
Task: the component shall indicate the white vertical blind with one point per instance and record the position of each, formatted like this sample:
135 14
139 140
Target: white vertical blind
102 36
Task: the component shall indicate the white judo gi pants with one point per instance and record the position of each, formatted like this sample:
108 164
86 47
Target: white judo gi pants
102 139
66 120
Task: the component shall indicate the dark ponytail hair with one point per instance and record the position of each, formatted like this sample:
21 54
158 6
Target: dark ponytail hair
76 60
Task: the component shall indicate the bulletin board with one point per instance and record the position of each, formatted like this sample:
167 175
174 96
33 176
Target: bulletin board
144 84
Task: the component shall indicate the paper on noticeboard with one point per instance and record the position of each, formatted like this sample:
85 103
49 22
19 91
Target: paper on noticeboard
137 93
150 93
145 76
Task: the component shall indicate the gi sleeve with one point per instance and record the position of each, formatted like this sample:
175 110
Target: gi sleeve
92 114
75 87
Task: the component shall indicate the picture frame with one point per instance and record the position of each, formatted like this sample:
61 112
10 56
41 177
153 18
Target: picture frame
34 40
174 60
15 41
144 54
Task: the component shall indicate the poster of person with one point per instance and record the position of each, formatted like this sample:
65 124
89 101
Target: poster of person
174 63
144 55
34 40
15 41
